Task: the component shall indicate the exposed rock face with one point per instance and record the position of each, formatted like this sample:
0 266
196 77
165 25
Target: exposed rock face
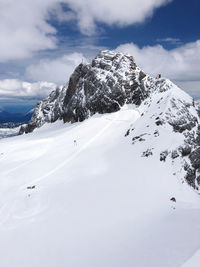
110 81
184 119
48 110
195 158
105 85
171 114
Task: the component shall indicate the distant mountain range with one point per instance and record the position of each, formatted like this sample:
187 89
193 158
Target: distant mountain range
8 119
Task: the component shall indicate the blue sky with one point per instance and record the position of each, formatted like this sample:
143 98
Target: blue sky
40 49
179 20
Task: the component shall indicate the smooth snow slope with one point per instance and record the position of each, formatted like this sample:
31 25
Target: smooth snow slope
95 204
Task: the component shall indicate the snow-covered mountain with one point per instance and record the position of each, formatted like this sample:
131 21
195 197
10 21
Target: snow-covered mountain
15 118
115 185
113 80
110 81
48 110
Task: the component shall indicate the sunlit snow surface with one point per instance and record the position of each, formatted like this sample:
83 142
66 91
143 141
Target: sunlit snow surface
95 202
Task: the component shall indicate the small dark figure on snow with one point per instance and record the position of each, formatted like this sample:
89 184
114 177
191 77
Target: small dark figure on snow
173 199
75 143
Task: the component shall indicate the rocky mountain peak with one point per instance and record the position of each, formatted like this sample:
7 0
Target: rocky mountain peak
112 80
113 61
103 86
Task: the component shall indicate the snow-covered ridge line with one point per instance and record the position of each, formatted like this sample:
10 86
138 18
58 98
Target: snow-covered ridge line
172 117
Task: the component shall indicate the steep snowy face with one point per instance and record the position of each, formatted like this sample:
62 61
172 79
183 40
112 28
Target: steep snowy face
169 124
48 110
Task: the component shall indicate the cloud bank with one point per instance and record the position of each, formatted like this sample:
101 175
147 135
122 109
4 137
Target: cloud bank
13 88
56 70
112 12
24 28
25 25
182 64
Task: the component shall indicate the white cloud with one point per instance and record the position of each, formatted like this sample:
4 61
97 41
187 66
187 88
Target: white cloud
110 12
24 29
182 64
57 70
25 24
11 88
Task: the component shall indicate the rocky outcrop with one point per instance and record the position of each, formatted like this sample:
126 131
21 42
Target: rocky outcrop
105 85
171 113
110 81
46 111
183 115
183 119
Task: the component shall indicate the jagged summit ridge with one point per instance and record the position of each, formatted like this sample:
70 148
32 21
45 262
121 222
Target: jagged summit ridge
110 81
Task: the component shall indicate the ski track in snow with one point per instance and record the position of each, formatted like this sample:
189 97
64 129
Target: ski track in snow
37 207
21 208
73 156
21 165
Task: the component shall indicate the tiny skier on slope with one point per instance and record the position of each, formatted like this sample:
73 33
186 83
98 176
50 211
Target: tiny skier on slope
75 143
